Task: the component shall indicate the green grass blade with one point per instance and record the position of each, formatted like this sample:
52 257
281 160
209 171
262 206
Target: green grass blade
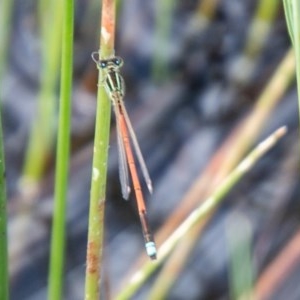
62 159
288 17
241 273
100 158
296 43
259 29
4 294
164 14
6 7
41 136
261 26
292 14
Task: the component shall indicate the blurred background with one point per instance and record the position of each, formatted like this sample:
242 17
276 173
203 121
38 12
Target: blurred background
196 75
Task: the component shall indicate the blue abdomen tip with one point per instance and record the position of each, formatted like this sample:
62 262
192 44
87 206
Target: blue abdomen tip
151 250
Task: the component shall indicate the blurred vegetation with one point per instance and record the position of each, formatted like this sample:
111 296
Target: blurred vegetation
163 66
5 19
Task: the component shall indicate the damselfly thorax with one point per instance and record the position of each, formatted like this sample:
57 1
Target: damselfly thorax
112 80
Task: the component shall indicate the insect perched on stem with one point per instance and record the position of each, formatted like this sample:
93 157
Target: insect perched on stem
115 89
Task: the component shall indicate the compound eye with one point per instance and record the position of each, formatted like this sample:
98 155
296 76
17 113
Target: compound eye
103 64
118 61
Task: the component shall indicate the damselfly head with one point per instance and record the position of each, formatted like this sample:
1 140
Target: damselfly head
113 62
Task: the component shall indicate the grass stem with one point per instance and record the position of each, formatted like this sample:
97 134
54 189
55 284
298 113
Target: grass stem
292 15
100 158
41 136
62 159
4 280
6 8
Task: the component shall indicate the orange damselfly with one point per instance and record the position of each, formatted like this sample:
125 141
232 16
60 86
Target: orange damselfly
115 88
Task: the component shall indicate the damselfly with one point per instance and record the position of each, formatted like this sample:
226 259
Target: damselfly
115 89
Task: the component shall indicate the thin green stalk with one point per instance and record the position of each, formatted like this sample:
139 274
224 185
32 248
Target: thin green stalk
203 16
163 25
288 18
6 7
241 274
292 14
296 30
260 26
142 274
62 159
4 293
258 32
100 158
41 136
